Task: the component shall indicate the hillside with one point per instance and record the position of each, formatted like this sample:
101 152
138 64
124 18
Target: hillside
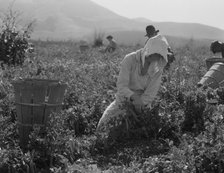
138 37
78 19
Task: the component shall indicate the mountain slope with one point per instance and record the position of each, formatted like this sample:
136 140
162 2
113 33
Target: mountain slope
190 30
75 19
137 37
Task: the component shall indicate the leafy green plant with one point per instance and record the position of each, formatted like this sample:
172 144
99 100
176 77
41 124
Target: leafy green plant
154 141
194 109
98 39
14 42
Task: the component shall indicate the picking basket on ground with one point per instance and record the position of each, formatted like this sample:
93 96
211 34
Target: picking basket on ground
214 77
35 99
210 61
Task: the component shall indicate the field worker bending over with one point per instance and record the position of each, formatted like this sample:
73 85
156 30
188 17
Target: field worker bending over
138 81
111 47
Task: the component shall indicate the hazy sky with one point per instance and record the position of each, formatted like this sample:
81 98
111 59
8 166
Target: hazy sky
209 12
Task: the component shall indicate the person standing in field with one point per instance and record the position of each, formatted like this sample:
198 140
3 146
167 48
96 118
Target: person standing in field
111 47
138 81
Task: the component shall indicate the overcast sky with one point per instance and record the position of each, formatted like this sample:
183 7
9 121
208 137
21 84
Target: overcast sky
209 12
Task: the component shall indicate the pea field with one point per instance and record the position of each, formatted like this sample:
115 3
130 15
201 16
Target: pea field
182 133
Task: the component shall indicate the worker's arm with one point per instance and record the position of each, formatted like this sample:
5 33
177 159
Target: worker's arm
155 80
124 91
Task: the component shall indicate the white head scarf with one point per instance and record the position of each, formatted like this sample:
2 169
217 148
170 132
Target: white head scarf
157 44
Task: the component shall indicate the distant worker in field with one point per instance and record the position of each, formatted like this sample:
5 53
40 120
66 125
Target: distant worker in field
216 47
111 47
151 32
138 81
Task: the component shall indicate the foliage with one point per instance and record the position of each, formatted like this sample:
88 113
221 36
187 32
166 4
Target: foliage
14 41
98 39
194 109
183 132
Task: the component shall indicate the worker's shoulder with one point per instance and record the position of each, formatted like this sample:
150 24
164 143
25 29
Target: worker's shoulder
158 38
158 41
114 41
133 56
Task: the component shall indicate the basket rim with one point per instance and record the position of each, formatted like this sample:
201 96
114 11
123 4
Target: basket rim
207 59
38 82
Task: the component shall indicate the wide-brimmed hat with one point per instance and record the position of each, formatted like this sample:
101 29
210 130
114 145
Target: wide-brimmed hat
150 29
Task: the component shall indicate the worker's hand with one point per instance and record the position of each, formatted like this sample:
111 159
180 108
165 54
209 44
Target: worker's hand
137 102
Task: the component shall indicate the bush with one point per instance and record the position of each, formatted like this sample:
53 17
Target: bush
98 39
13 41
194 112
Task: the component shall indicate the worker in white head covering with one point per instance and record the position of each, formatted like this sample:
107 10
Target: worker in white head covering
138 81
152 32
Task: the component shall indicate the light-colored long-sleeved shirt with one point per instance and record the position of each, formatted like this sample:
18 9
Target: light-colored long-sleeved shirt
130 79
